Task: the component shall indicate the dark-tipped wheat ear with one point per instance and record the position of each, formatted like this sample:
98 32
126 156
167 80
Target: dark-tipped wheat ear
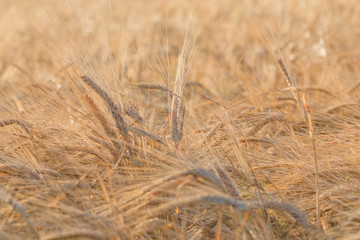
21 123
114 108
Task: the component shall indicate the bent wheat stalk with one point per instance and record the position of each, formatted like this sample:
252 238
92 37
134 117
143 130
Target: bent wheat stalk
245 206
21 123
88 234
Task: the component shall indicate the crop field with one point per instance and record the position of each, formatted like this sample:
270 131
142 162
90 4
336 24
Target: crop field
170 119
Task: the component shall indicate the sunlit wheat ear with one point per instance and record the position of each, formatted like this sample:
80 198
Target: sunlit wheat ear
182 74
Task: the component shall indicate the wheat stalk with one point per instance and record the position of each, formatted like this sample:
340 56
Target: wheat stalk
20 209
267 120
88 234
155 87
245 206
305 110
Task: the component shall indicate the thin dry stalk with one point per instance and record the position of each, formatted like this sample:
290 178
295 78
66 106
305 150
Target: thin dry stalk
6 236
219 227
71 188
24 170
305 110
21 123
295 90
20 209
333 110
88 151
145 133
197 172
267 120
246 206
254 140
89 234
212 132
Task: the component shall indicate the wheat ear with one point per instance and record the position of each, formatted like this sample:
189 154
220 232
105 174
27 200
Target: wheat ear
100 116
245 206
114 108
182 74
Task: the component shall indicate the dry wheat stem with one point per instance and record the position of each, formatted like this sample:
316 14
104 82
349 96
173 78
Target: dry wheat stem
155 87
145 133
87 150
197 172
258 127
295 90
246 206
88 234
305 110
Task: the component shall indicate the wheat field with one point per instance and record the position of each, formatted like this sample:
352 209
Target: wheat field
179 119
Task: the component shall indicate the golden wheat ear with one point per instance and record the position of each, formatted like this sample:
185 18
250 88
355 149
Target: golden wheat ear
182 74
